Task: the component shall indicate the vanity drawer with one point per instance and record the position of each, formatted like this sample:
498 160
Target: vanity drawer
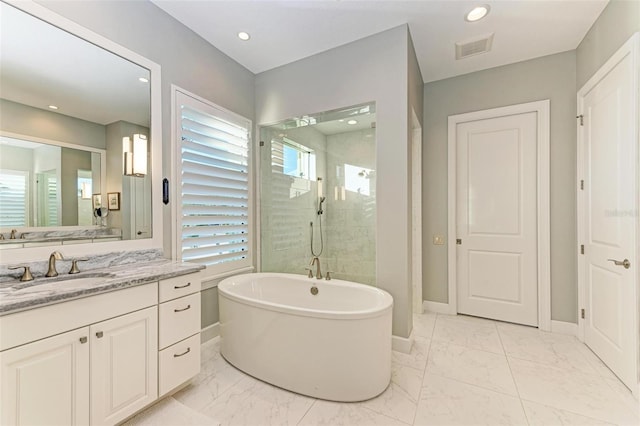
179 318
179 363
173 288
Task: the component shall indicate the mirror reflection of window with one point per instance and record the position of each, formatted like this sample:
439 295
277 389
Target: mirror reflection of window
14 204
47 198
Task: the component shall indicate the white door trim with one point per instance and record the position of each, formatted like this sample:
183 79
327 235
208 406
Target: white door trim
542 109
630 47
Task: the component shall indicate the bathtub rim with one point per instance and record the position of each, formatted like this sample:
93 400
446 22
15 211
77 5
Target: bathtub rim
223 291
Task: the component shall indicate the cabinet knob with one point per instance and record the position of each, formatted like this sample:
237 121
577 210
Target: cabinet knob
99 334
83 339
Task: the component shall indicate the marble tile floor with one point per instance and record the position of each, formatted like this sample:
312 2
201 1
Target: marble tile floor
461 371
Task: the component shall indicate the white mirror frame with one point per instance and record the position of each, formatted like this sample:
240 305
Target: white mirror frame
12 256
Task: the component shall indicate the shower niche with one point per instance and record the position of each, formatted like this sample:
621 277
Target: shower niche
318 193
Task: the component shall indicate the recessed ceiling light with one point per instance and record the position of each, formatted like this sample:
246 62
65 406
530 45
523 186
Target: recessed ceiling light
53 107
352 122
243 36
143 80
477 13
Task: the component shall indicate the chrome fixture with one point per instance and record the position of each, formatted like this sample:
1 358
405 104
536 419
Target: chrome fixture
315 260
74 265
56 255
13 234
26 276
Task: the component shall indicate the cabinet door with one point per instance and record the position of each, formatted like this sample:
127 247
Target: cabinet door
124 365
46 382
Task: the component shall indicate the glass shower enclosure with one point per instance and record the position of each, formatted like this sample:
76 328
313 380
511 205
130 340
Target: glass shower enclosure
317 183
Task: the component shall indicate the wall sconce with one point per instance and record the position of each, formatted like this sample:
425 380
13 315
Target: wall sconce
134 153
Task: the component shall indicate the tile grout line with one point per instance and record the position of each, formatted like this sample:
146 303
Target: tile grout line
383 415
307 412
424 371
512 376
568 411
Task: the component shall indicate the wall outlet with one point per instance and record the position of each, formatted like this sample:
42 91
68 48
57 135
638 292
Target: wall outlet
438 240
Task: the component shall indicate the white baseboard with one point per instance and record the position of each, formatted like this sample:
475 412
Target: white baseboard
562 327
436 307
401 344
210 332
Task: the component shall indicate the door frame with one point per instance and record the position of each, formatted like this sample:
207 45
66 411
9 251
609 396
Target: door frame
542 109
416 213
630 47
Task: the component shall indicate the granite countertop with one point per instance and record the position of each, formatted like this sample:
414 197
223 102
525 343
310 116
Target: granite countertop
55 239
18 296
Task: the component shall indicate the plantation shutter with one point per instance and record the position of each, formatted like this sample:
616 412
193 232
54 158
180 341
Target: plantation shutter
215 220
13 198
52 201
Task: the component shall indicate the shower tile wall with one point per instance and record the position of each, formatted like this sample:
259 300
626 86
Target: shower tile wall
348 224
351 223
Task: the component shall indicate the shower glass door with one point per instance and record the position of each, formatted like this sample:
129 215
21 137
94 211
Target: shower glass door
318 194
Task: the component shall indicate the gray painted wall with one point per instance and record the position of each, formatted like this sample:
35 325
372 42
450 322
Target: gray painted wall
186 59
551 77
617 22
371 69
72 160
29 121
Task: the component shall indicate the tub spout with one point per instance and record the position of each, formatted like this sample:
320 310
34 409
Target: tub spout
316 261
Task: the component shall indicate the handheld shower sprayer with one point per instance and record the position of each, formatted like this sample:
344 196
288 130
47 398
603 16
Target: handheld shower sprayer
320 211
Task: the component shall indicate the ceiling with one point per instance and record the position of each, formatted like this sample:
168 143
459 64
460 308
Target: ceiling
286 31
44 69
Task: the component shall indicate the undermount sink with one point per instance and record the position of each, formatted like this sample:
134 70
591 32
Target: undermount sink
63 283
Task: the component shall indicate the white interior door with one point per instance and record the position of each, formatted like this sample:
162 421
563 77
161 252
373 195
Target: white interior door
496 208
610 201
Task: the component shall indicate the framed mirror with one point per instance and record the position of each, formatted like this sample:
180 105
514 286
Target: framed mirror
73 106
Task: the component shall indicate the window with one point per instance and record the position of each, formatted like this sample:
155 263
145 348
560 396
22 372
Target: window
14 204
297 161
214 186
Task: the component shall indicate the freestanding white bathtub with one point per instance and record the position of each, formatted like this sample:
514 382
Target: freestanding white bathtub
334 345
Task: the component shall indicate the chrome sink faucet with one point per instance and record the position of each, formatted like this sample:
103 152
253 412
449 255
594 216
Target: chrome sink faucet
56 255
316 261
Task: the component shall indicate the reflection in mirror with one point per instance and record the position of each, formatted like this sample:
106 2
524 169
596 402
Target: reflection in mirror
35 178
318 193
56 86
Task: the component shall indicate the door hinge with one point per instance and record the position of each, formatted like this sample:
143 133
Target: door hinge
261 143
582 185
581 248
459 241
581 117
582 313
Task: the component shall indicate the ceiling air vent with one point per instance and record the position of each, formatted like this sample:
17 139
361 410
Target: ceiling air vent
474 46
